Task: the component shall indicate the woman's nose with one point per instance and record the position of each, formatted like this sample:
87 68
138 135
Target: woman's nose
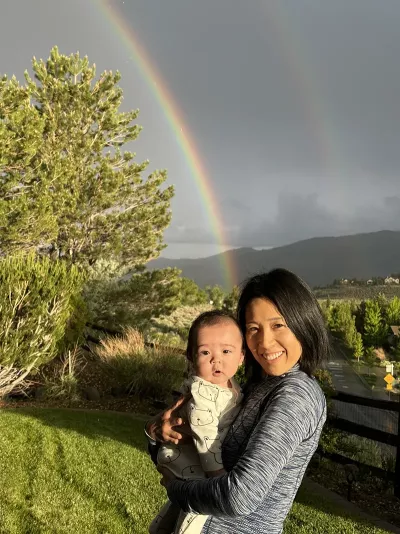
265 338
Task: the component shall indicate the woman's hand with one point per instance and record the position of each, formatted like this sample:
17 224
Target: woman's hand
167 476
162 427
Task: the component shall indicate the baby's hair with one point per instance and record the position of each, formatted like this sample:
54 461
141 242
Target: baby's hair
208 318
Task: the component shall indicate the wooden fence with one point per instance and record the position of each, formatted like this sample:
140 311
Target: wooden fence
388 438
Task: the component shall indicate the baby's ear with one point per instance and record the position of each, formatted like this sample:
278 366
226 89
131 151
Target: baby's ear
242 356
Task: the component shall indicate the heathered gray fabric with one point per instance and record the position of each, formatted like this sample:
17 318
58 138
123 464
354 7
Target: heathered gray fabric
265 453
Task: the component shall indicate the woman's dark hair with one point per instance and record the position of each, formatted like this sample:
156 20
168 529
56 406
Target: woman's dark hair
296 302
208 318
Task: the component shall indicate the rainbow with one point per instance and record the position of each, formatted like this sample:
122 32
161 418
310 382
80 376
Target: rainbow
296 56
158 87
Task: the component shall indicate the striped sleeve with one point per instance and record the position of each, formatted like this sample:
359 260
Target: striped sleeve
290 417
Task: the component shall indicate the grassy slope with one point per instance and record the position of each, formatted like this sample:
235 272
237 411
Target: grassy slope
65 471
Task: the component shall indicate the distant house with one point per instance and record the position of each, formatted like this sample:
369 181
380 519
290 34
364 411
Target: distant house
369 282
389 280
344 281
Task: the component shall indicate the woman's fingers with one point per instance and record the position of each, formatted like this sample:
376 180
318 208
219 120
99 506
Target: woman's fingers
169 434
162 428
168 413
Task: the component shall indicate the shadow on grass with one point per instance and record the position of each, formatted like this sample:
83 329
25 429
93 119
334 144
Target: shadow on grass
94 425
320 499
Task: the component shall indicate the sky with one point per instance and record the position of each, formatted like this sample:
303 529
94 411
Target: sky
292 107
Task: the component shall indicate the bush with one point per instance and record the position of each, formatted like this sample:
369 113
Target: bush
324 379
13 380
240 375
363 450
146 372
63 384
37 299
134 299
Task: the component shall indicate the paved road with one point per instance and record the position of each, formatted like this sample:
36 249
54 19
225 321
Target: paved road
345 379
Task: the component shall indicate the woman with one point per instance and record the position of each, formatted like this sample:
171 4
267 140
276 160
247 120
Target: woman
272 440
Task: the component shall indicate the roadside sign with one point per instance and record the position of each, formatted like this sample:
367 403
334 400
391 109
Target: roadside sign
389 368
389 386
389 379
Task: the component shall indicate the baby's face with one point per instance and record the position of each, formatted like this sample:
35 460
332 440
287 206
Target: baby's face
219 352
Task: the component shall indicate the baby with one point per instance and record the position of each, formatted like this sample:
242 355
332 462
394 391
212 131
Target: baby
215 350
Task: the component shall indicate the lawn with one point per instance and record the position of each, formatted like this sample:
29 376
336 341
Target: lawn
88 472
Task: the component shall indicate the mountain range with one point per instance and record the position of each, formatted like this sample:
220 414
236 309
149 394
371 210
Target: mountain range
318 260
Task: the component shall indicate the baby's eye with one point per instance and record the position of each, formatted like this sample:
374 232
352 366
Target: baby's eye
226 351
204 352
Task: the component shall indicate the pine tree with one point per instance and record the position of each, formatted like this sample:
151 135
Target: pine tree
370 358
231 300
358 347
190 293
216 295
68 187
374 328
393 312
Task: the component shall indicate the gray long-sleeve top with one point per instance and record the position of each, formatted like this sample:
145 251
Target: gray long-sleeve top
265 452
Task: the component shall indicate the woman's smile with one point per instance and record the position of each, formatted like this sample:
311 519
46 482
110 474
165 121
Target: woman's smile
270 356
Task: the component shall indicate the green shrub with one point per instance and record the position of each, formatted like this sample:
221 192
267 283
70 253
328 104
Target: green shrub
240 375
145 372
37 299
361 449
324 379
63 382
131 300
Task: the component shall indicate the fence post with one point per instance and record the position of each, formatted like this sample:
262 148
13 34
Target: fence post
397 468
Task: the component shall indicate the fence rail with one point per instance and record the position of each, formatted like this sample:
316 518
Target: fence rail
388 438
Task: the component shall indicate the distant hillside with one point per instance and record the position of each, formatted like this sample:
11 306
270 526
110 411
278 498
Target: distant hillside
319 260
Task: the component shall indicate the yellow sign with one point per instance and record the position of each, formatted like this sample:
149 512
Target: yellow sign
389 386
389 379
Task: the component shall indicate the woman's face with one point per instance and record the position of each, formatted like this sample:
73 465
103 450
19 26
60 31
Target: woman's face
269 339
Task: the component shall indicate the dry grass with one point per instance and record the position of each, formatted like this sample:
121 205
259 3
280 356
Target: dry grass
131 343
62 381
146 372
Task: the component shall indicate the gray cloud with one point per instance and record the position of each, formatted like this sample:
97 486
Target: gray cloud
292 106
300 217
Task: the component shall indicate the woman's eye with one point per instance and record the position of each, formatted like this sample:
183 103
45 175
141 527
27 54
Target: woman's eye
252 329
279 325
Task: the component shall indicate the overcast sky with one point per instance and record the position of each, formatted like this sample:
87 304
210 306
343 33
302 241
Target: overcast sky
293 106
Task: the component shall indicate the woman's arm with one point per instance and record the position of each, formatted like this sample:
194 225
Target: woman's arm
291 417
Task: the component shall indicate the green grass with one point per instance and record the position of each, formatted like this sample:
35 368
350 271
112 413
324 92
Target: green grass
69 471
312 514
